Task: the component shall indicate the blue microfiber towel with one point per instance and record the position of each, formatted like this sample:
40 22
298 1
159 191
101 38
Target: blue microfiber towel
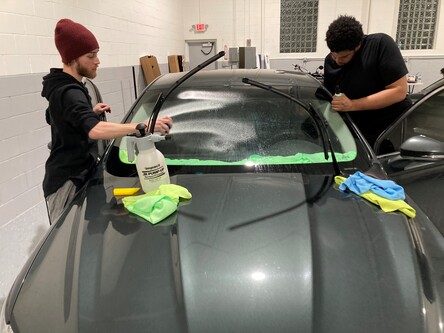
360 183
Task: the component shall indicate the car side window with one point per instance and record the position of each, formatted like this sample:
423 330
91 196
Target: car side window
427 119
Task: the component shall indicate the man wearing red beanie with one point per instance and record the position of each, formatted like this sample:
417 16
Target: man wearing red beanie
75 123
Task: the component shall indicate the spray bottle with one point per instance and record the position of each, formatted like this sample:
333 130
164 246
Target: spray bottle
337 91
150 163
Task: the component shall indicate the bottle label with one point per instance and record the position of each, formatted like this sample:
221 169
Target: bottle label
153 173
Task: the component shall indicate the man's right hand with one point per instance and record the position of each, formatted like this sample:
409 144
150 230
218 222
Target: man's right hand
100 108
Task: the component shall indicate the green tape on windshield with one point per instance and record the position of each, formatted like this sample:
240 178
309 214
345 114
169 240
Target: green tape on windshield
299 158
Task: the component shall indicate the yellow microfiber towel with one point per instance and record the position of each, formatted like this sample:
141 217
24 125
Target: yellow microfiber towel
157 205
386 205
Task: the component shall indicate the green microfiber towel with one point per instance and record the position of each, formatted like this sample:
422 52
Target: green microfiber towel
386 205
157 205
175 192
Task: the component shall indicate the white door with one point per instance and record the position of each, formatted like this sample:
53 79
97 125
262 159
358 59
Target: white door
199 51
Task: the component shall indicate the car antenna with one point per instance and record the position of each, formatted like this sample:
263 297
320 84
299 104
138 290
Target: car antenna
312 111
161 99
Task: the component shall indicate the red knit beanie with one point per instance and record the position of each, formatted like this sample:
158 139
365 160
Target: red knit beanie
73 40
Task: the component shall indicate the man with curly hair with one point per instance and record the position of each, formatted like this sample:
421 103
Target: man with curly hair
368 75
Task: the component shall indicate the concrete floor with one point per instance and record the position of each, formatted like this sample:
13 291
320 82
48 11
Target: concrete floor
17 241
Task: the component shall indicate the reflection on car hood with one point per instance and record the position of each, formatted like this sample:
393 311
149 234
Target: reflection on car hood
246 254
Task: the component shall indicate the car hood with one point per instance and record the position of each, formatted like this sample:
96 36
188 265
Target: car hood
248 253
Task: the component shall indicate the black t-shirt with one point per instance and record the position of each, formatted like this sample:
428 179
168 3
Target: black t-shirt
71 117
375 65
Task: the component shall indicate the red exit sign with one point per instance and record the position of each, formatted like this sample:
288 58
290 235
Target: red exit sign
200 27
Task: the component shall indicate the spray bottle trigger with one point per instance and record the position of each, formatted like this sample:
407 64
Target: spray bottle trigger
338 91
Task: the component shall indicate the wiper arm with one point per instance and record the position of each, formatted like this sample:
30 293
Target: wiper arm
319 120
161 99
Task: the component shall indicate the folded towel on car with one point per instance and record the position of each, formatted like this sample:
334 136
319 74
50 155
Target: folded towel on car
387 205
175 192
157 205
152 208
360 183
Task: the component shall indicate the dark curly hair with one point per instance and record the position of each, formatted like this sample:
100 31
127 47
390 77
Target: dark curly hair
344 33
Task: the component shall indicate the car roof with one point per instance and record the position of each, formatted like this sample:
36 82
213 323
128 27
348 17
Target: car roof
433 86
218 77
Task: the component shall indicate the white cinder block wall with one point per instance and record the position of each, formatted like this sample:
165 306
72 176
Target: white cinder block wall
231 23
127 30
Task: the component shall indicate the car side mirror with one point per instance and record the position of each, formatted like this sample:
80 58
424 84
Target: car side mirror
417 151
422 148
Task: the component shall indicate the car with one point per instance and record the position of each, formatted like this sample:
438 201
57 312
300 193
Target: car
267 243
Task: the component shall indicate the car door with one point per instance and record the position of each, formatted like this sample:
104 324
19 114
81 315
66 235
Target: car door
418 161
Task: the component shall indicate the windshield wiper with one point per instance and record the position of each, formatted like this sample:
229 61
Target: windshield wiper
161 98
318 119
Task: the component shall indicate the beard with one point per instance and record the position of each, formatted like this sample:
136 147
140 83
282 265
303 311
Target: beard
85 72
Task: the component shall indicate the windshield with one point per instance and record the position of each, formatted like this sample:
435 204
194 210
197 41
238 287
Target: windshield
241 125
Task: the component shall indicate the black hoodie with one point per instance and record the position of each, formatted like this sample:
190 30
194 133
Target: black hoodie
71 117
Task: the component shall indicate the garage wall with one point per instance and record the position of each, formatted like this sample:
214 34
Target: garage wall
125 31
232 22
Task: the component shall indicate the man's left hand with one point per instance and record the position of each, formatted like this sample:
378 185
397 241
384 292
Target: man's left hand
163 125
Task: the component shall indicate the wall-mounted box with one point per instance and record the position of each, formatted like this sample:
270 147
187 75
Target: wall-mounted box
247 57
233 54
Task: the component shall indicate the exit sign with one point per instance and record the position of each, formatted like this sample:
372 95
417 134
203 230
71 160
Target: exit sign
200 27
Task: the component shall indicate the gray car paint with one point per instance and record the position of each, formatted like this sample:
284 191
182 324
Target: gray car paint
337 265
